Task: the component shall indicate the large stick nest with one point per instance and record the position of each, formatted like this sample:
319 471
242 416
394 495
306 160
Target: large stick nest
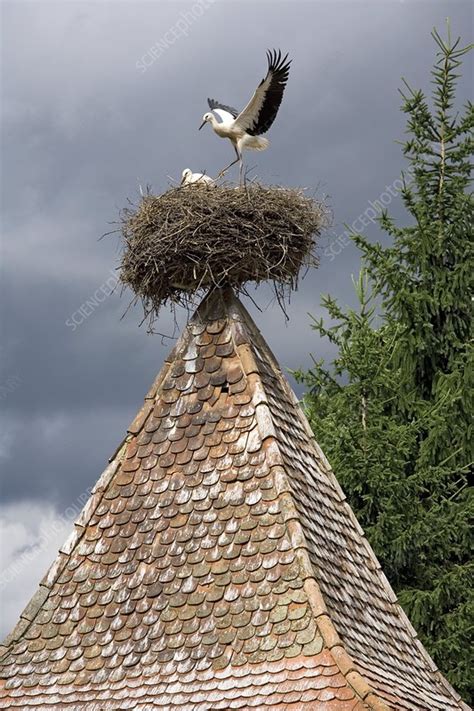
195 237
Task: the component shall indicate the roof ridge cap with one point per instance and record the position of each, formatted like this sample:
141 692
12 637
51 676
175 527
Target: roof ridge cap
379 705
331 639
371 553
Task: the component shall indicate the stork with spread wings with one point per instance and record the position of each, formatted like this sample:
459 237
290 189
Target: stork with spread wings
244 129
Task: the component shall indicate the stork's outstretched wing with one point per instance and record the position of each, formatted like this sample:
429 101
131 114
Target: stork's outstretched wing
260 112
226 113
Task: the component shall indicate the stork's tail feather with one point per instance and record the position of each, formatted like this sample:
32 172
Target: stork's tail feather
263 143
256 143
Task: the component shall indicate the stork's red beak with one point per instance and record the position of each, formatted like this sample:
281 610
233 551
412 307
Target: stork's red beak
201 125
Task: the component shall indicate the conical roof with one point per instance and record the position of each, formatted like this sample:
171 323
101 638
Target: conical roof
217 564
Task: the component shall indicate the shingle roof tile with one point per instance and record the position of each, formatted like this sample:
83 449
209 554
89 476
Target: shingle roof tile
217 564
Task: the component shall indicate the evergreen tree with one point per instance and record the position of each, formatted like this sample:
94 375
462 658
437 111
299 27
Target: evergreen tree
393 411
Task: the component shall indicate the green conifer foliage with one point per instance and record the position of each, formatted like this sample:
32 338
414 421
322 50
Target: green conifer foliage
393 411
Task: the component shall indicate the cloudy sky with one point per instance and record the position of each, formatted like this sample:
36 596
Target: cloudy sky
100 97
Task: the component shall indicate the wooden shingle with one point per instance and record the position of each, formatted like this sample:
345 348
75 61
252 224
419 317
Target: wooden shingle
218 564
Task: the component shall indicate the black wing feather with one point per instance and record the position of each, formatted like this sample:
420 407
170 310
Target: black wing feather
279 68
213 104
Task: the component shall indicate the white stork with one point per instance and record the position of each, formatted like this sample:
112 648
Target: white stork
190 178
243 129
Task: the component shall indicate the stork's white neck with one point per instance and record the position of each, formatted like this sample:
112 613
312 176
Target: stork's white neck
214 121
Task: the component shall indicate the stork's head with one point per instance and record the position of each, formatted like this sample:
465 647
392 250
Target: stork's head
207 118
187 172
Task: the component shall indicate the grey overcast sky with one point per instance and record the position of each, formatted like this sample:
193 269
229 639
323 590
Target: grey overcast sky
99 97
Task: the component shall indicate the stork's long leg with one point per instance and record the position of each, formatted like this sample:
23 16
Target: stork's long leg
239 158
240 171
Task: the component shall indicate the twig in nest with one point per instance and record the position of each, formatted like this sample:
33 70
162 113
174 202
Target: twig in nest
193 238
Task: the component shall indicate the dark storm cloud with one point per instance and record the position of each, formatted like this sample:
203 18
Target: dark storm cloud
84 125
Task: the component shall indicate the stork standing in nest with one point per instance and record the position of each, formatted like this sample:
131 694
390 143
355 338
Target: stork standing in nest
244 129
